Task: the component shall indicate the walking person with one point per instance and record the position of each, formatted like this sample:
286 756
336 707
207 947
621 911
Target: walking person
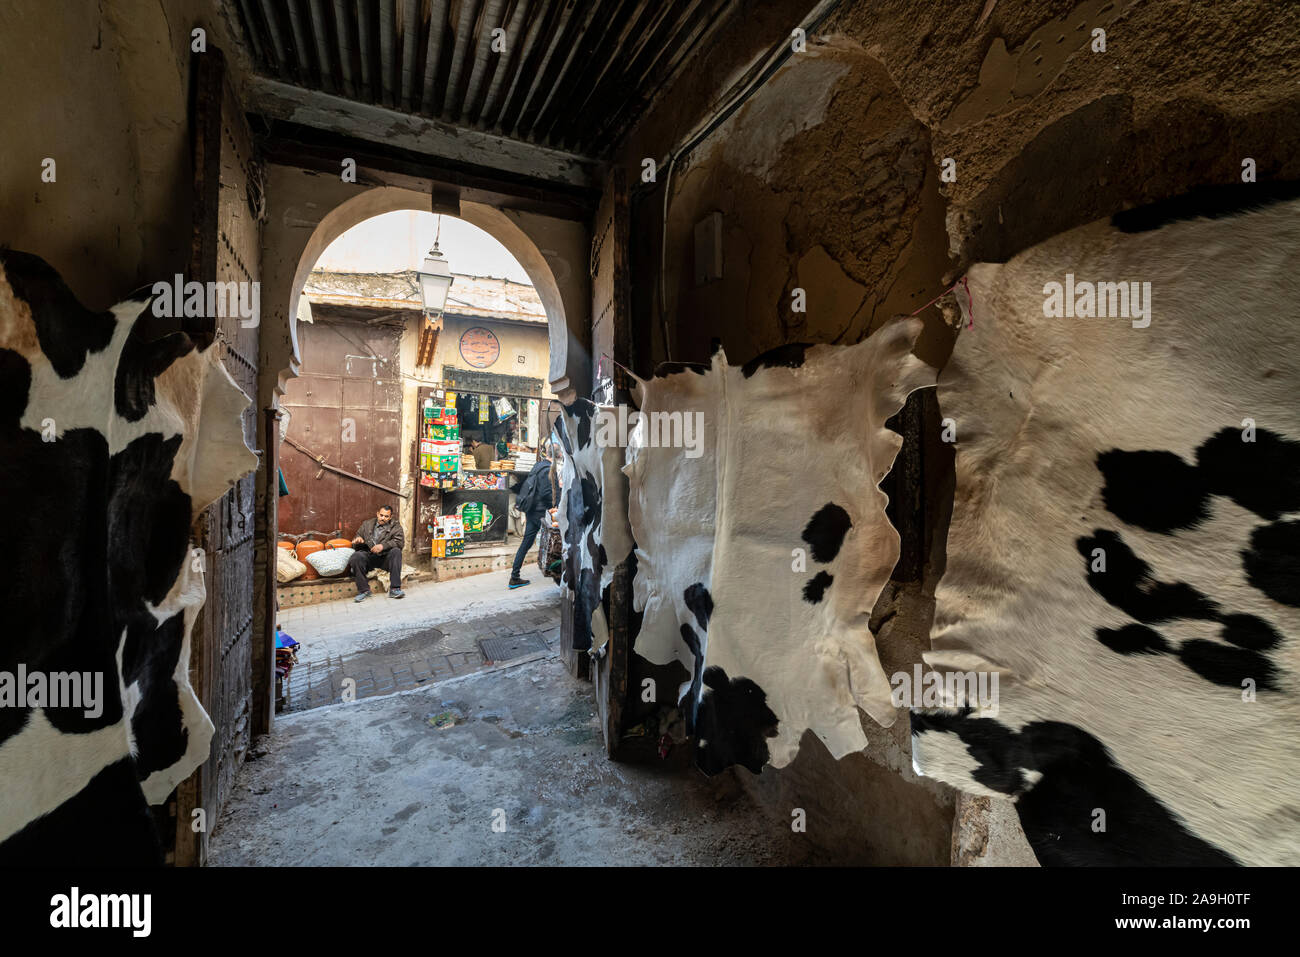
533 500
378 544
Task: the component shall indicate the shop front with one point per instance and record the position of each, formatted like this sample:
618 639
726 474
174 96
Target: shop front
478 440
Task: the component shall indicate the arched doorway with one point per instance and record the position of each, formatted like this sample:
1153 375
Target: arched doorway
371 359
314 212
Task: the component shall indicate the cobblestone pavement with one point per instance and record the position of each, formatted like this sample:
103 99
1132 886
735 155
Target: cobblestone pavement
387 645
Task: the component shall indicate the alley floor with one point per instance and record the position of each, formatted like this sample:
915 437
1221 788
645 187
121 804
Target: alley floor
440 629
487 764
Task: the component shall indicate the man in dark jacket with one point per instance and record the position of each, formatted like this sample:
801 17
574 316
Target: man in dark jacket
378 544
533 500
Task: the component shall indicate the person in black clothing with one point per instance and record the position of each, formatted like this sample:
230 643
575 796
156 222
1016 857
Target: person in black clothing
533 500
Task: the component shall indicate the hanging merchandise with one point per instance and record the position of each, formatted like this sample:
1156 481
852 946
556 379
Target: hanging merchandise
482 402
504 408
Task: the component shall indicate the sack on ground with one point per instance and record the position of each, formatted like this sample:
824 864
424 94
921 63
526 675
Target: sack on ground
287 568
329 562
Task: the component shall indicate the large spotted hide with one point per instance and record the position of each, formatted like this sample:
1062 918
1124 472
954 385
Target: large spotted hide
593 518
113 440
760 552
1125 545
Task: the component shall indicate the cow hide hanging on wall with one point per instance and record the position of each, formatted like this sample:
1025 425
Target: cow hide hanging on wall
1125 543
112 444
593 518
762 542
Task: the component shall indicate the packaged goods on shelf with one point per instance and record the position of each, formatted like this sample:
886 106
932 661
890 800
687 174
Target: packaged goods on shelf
478 480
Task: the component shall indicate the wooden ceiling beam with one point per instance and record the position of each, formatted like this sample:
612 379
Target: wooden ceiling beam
614 82
282 101
399 52
469 59
375 52
544 38
593 67
284 29
415 98
353 19
577 41
382 164
311 59
333 47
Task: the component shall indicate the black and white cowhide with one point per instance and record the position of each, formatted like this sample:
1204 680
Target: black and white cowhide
1125 544
593 519
760 551
111 442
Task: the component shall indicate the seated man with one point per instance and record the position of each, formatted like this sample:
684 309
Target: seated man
378 544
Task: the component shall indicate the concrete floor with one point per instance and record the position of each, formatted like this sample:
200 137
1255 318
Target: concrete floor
421 777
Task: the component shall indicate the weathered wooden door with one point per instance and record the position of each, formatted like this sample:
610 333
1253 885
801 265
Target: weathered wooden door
227 248
346 406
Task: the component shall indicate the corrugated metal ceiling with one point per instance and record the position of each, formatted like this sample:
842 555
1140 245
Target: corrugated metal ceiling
573 74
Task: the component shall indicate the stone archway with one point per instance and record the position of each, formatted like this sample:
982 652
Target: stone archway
309 211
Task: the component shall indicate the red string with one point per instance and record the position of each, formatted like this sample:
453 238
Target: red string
970 302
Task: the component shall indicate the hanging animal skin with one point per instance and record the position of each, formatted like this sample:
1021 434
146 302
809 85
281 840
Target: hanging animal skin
762 542
593 517
112 444
1125 541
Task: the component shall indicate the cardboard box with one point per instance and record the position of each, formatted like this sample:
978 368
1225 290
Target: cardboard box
448 547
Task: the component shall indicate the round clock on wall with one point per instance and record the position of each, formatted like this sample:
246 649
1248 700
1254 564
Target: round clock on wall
479 347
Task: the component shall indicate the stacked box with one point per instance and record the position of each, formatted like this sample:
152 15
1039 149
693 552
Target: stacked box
448 547
447 463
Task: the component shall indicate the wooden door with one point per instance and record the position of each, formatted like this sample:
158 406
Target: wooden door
344 406
227 248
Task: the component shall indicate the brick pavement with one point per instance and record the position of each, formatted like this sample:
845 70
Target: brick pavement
383 646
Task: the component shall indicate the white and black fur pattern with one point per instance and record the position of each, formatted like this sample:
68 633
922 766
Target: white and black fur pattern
758 562
1121 691
145 434
594 528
